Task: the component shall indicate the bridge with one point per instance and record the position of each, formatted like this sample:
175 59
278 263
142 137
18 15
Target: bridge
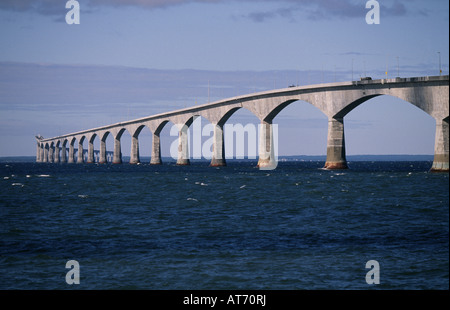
335 100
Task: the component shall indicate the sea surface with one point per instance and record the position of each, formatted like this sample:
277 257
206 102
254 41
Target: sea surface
167 227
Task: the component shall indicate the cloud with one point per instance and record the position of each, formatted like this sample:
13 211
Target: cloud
323 9
318 10
260 17
288 9
55 7
43 7
397 9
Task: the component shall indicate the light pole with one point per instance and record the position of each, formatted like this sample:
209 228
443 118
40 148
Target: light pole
352 69
398 68
387 66
440 71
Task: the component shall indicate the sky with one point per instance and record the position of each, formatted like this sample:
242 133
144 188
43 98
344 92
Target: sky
135 58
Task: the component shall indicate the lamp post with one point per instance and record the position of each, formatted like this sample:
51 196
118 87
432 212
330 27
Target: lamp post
398 68
440 70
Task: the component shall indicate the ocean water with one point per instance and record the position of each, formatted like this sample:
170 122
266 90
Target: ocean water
298 227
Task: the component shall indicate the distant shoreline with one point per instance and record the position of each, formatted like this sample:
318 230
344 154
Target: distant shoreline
350 158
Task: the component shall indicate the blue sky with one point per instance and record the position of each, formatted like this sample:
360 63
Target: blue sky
129 59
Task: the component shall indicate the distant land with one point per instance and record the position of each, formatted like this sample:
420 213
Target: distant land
350 158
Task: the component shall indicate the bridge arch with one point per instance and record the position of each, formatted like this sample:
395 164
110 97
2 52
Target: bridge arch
141 140
125 138
421 97
301 126
218 117
274 112
227 112
117 135
407 98
135 131
237 132
353 105
373 120
201 140
156 127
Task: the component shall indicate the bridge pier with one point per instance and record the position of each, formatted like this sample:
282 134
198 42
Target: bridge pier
134 154
441 147
50 154
90 159
56 155
117 157
63 154
183 147
41 153
71 154
266 159
218 152
80 158
156 150
336 145
102 156
45 154
38 152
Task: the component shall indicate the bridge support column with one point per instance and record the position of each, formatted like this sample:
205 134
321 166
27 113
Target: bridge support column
134 154
218 152
45 154
90 158
441 147
156 150
63 154
50 154
38 153
56 155
266 159
102 156
80 158
41 155
71 160
117 157
183 147
336 145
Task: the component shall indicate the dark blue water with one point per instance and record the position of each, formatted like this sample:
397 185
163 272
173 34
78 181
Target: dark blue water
197 227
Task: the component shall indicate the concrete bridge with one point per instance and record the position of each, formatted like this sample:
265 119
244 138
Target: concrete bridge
335 100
